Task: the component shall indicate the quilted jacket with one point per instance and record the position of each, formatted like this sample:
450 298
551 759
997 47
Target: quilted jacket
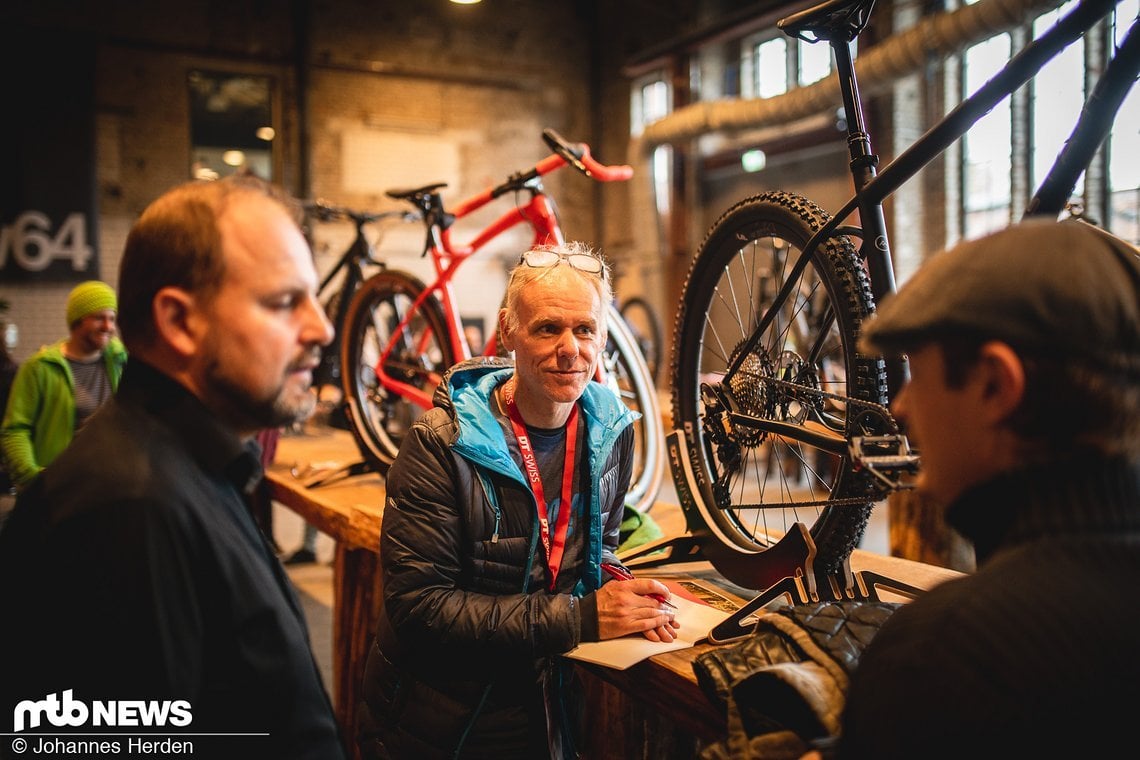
462 664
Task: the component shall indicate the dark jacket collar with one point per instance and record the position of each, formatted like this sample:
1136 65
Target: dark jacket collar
1085 494
210 441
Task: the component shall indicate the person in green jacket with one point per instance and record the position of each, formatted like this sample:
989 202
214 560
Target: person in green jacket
59 387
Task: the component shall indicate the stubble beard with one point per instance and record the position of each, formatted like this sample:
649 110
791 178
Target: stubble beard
245 410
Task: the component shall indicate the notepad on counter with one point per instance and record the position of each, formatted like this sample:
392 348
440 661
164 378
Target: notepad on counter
696 619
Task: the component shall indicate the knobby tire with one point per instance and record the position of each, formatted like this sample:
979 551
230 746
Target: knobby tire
803 368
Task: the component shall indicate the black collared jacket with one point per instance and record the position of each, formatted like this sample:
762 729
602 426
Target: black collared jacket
131 571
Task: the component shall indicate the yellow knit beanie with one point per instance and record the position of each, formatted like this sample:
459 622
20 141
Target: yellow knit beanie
88 297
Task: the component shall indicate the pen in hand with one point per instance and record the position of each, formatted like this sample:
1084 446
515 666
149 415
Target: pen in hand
621 574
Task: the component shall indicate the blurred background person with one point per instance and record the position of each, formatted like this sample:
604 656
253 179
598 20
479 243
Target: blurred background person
61 385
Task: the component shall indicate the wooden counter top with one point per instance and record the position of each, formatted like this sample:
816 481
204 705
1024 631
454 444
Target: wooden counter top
346 508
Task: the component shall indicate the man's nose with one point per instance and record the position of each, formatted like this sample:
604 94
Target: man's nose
321 329
568 344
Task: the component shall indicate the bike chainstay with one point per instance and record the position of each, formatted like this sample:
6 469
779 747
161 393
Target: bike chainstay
881 411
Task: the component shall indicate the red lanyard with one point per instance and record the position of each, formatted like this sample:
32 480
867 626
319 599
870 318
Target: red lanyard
554 550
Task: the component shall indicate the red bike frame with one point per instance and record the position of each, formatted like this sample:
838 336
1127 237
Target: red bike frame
447 256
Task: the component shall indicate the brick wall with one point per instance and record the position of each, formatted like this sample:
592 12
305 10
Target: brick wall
481 80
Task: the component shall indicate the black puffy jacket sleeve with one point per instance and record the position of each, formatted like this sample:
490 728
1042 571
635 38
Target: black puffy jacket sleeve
448 579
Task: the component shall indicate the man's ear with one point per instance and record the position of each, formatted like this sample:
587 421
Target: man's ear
1002 378
505 338
175 320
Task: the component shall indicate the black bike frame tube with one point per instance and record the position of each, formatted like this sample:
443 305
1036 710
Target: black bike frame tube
874 245
1019 70
355 274
332 272
863 163
353 277
1093 125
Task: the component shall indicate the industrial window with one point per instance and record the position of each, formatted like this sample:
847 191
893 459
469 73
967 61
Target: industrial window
231 124
652 100
987 147
1058 92
1124 147
1042 122
772 65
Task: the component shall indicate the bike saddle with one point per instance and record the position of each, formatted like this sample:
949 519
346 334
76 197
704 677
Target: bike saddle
408 195
830 20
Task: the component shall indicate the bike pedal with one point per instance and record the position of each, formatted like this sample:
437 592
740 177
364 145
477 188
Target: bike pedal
887 457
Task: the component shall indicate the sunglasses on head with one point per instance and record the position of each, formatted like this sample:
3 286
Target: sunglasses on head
583 262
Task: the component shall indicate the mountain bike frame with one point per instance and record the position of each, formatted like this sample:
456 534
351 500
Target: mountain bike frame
755 394
838 22
447 255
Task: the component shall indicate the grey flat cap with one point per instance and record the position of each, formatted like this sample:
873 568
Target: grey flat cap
1066 288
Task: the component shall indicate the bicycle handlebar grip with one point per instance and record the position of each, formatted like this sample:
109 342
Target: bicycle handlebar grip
579 157
604 173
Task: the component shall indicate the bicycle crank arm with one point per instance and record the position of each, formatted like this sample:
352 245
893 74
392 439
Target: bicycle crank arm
807 432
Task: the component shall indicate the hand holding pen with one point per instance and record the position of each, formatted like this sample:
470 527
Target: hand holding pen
634 605
617 572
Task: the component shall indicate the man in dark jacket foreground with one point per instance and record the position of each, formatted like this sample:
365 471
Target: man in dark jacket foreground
502 506
1024 402
144 611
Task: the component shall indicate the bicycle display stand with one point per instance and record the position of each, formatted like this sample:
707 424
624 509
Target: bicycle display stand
785 570
805 585
802 585
767 379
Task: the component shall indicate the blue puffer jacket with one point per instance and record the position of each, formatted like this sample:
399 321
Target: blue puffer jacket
463 661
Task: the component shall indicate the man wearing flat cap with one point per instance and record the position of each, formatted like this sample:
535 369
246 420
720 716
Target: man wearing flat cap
58 388
1024 405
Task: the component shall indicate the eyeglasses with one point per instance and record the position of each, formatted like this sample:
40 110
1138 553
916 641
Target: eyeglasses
583 262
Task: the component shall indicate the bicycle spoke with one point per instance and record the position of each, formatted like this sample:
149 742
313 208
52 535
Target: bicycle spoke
397 361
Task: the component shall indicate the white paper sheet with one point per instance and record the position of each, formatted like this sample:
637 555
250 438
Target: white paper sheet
696 621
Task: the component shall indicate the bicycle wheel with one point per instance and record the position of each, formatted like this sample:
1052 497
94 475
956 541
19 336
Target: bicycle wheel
381 308
768 444
625 372
646 330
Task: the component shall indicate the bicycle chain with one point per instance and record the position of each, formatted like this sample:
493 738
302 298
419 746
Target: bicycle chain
883 411
815 394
